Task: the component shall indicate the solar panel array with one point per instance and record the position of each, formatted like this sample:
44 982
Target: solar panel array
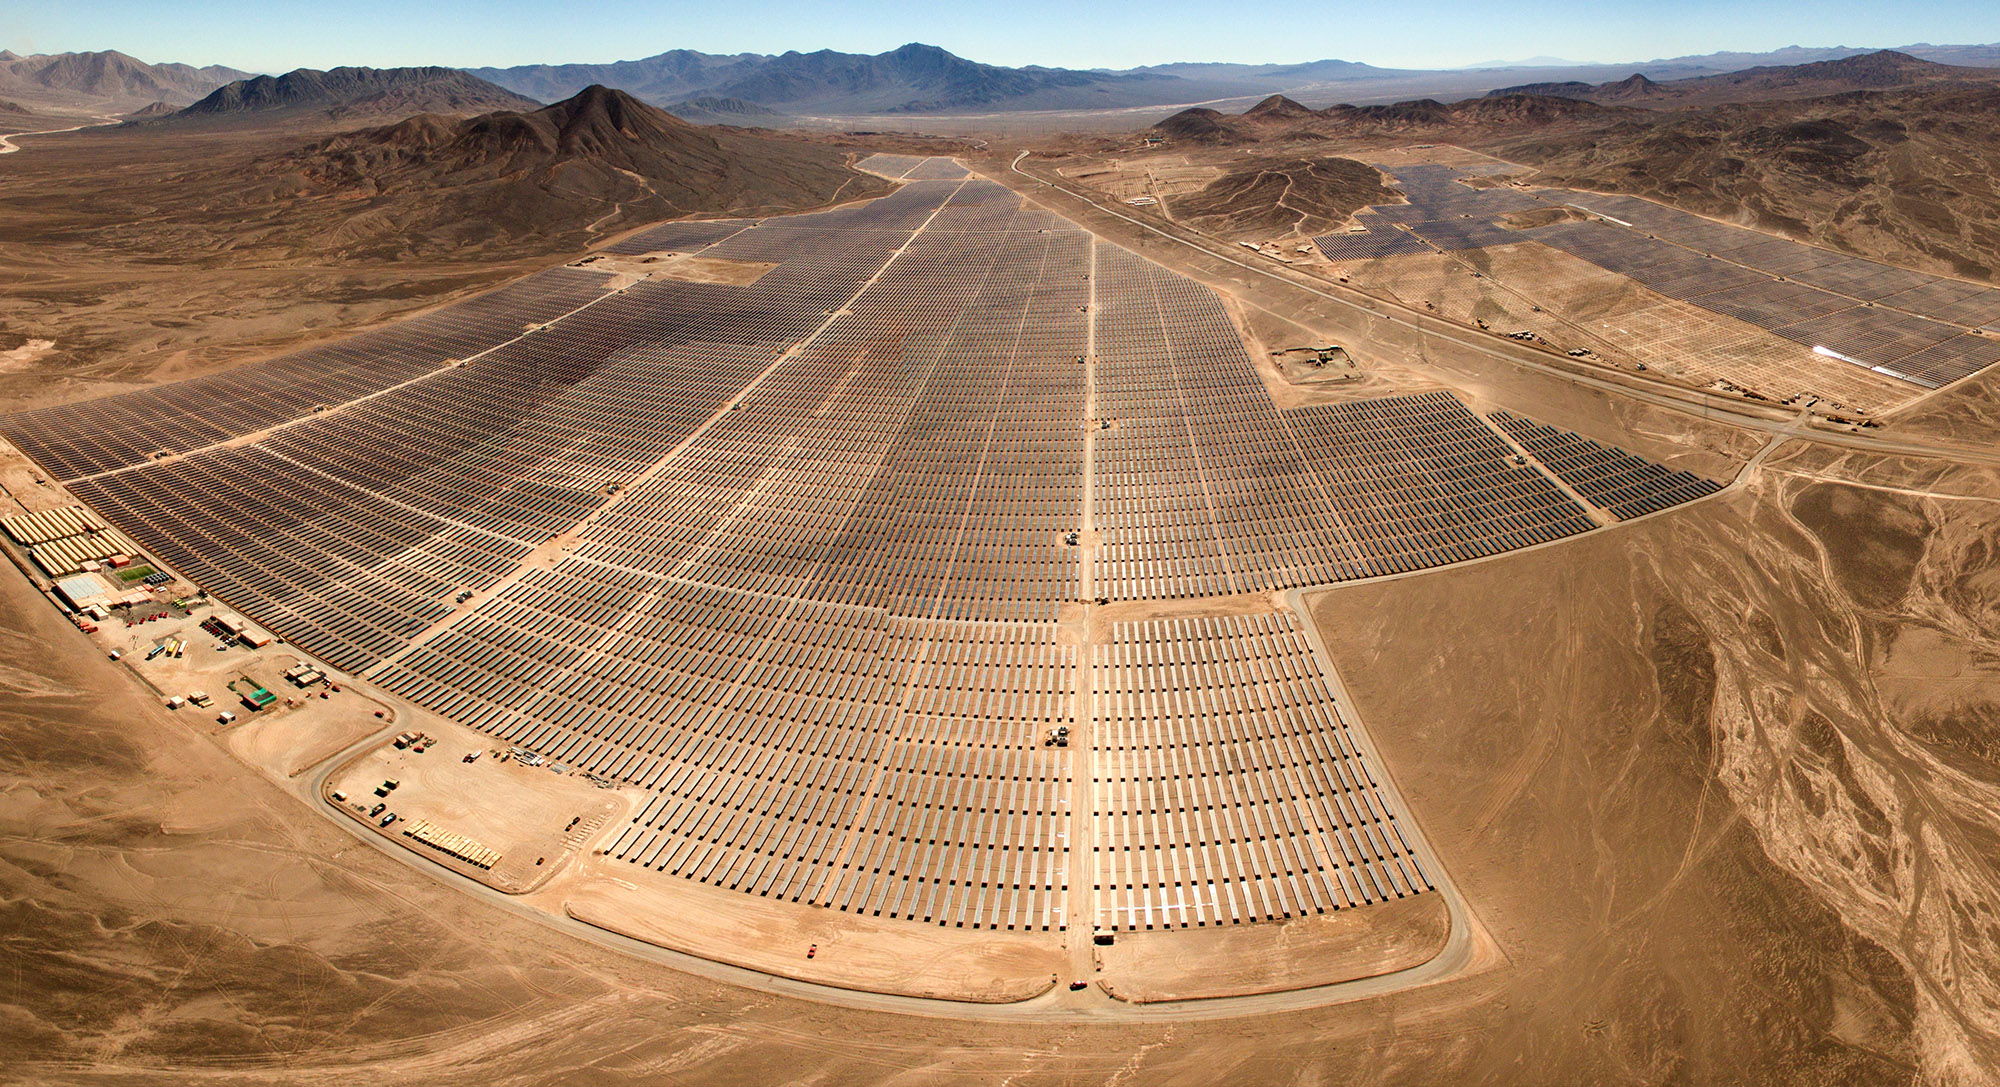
1903 324
1919 328
1203 487
816 543
1227 786
1609 477
114 432
687 235
890 165
1418 481
915 167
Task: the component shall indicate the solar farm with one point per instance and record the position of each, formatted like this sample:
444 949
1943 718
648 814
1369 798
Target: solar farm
934 576
1786 320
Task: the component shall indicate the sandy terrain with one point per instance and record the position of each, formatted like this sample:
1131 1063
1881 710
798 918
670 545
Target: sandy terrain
1144 967
1715 785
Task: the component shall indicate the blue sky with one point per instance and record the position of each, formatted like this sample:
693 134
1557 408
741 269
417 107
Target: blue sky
283 35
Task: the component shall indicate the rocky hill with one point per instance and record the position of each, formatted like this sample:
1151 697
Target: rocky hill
594 162
915 78
109 78
1279 119
710 110
1905 174
355 92
1262 198
1884 69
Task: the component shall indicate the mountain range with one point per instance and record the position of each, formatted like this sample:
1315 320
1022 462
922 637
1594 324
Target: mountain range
349 92
524 178
926 79
916 79
912 79
1884 69
106 78
1278 118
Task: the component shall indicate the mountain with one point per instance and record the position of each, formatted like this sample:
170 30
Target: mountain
147 113
708 109
672 76
1902 174
912 79
1880 70
1278 119
927 79
1571 88
1635 86
1632 87
599 160
94 79
350 92
1258 198
1278 107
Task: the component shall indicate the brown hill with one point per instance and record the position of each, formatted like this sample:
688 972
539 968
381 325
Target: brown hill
146 113
1278 119
1274 197
14 107
1278 106
1633 87
346 93
109 77
1201 124
1907 175
1884 69
432 181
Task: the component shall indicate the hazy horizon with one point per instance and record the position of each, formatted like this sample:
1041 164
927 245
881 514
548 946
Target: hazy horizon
1453 34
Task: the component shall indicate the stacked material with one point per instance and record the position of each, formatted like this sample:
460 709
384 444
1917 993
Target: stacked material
62 540
457 845
68 554
28 529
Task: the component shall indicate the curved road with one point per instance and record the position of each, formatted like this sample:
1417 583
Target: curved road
1056 1005
8 146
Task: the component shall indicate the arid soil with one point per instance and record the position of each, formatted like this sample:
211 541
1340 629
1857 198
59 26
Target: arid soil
1280 197
1904 176
151 253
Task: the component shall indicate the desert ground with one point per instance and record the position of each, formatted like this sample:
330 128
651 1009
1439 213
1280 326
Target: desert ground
1711 790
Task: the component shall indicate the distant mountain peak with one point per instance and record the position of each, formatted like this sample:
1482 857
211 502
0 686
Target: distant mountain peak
1635 85
104 78
1278 106
345 91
